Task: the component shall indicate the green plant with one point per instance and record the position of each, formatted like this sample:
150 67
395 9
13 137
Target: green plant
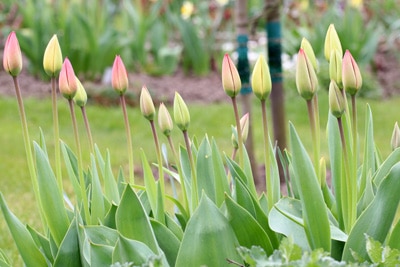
110 220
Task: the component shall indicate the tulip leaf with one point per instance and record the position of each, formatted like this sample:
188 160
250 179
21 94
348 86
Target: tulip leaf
27 248
315 216
68 254
51 199
167 241
71 165
100 255
208 239
132 221
97 200
110 185
205 170
377 219
221 181
128 250
41 242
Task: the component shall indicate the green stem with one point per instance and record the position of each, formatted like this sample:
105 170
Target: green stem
195 195
349 211
88 131
315 138
267 162
354 128
239 132
81 177
128 139
56 133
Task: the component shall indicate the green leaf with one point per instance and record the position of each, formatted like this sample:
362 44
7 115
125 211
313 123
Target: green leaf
377 219
221 180
68 253
100 255
127 250
167 241
27 248
71 165
51 199
237 172
110 185
97 200
205 170
386 166
209 239
132 221
374 250
395 237
253 233
41 242
315 215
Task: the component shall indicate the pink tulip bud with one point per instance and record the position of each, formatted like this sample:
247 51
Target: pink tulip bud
119 78
67 80
230 77
12 57
351 76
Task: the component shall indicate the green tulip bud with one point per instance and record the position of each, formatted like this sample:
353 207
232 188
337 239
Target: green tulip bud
261 79
395 142
181 113
146 104
332 42
335 67
164 120
336 101
80 97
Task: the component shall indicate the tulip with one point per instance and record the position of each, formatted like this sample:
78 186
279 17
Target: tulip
67 81
80 97
52 59
164 120
351 76
306 79
181 113
336 100
395 142
12 57
261 79
332 42
244 125
119 78
335 67
187 9
305 44
230 77
146 104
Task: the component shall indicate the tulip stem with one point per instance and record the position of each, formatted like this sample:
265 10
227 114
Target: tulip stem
84 197
87 126
128 139
268 180
314 134
239 132
354 115
56 133
195 195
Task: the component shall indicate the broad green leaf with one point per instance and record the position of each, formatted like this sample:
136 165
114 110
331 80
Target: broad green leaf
174 227
100 255
109 219
243 197
208 239
395 236
274 171
252 233
101 235
386 166
167 241
27 248
205 170
377 219
100 160
41 242
316 223
132 221
237 172
97 209
68 253
221 179
128 250
51 199
71 165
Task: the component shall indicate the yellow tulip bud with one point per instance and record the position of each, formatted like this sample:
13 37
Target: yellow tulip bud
52 59
80 97
164 120
146 104
230 77
351 76
306 79
336 101
12 57
332 42
181 113
261 79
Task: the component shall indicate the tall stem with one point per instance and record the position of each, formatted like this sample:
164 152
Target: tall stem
195 195
56 132
354 128
314 136
267 162
239 132
87 126
128 139
349 211
81 177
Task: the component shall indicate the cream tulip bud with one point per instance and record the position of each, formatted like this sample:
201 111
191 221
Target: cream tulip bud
244 125
336 101
146 104
305 44
332 42
80 97
52 59
261 79
335 67
306 79
181 113
164 120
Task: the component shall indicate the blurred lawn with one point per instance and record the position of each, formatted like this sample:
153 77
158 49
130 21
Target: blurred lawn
108 132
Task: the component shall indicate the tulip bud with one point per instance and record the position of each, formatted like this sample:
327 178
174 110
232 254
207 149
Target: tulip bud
332 42
306 79
119 76
164 120
67 81
395 142
146 104
336 100
305 44
261 79
244 125
12 57
351 76
80 97
335 67
230 77
52 59
181 113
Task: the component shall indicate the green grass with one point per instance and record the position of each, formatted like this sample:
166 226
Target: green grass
108 133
